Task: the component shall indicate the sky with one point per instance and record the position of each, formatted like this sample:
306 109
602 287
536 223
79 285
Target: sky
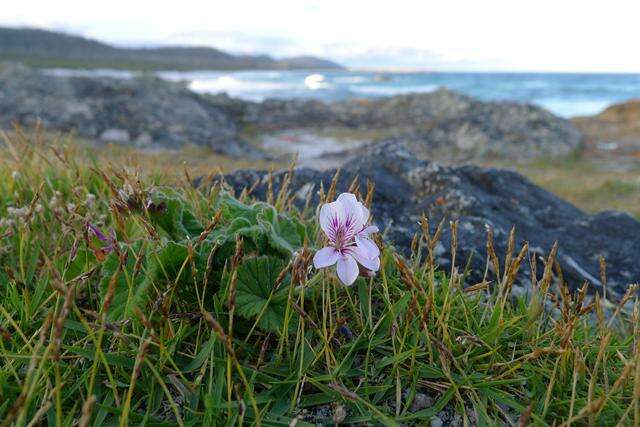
450 35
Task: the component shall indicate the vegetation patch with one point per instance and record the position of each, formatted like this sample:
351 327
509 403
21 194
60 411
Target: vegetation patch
124 301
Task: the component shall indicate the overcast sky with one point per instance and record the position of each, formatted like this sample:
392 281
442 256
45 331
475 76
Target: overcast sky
537 35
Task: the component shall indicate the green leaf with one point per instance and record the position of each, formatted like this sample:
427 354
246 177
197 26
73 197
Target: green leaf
177 218
113 359
270 233
167 263
126 284
284 234
256 295
134 289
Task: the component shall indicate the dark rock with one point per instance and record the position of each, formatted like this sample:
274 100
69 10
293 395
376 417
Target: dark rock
438 122
421 401
406 188
168 113
281 114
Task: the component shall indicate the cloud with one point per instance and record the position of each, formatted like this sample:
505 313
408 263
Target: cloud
551 35
358 56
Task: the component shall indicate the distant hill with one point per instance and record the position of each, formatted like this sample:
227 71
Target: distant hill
41 48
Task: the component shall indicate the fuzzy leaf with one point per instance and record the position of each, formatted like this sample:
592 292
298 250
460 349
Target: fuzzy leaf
176 219
129 289
162 266
256 281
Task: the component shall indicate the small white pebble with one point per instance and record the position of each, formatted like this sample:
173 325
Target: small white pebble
339 414
91 200
421 401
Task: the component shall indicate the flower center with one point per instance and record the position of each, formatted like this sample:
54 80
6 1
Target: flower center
342 232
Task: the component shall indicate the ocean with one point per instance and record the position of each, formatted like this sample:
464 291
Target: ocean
564 94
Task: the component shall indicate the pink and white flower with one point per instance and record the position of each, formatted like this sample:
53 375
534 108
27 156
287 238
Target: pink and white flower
345 224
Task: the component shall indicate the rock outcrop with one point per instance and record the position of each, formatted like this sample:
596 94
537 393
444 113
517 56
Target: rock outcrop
441 122
406 188
167 113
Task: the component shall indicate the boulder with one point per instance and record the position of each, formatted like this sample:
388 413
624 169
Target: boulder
119 136
406 188
143 140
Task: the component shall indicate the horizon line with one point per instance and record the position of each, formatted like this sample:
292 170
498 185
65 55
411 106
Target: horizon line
344 67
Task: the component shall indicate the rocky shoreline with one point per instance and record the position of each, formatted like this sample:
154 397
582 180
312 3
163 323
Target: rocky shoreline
143 111
150 112
443 122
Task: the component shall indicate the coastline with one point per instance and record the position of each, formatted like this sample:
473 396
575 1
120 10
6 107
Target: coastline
568 95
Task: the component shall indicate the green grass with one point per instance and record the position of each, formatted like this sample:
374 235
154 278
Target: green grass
202 308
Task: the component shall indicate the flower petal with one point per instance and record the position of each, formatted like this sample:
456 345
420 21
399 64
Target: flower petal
97 232
347 269
367 245
365 213
331 217
369 262
370 230
349 201
353 220
325 257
